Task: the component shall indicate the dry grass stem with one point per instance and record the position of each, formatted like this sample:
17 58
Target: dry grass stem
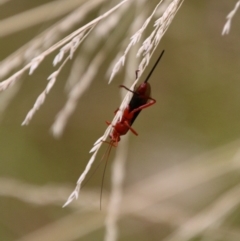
80 86
134 39
68 46
160 27
75 93
94 150
46 39
194 199
43 195
140 197
38 15
118 167
227 26
211 216
75 193
71 48
167 16
106 31
117 178
31 193
143 195
10 81
77 69
150 44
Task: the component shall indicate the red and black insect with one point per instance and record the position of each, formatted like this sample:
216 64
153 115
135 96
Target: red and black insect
140 100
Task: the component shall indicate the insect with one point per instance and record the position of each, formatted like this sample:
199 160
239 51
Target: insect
140 100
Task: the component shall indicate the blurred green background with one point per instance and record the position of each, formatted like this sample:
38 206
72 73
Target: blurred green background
183 167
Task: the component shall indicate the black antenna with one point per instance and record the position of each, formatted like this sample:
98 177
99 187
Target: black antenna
149 75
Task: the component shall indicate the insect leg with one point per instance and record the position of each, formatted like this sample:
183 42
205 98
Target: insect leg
122 86
108 123
152 102
115 112
130 128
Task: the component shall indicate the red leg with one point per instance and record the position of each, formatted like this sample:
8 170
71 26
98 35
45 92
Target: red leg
152 102
108 123
130 128
116 111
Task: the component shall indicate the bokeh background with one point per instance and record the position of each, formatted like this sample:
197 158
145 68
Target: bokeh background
182 171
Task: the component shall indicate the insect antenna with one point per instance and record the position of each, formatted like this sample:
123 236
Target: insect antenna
149 75
105 167
98 165
91 175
